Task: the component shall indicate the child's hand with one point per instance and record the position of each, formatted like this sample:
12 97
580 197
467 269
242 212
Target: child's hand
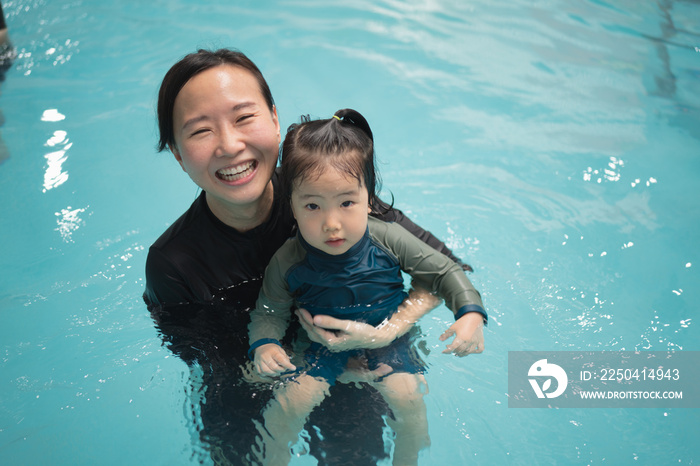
271 360
468 331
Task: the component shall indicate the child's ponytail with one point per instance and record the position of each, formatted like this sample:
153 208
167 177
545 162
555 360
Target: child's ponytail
355 118
345 141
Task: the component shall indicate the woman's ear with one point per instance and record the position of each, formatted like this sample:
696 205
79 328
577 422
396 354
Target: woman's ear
173 148
275 118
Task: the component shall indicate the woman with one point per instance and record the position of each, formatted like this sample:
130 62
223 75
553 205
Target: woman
217 116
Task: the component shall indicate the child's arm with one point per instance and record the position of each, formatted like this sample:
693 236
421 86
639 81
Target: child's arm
438 273
468 331
268 324
390 214
270 319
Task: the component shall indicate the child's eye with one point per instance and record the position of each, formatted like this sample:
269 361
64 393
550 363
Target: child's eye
311 206
347 204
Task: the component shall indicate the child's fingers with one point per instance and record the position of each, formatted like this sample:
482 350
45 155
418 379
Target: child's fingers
273 368
448 333
453 347
286 363
273 361
463 348
263 368
280 362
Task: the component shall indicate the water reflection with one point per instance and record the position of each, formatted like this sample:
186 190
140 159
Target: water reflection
69 220
539 208
52 114
546 79
225 407
54 175
48 52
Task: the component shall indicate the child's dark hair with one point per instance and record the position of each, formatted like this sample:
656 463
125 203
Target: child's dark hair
344 142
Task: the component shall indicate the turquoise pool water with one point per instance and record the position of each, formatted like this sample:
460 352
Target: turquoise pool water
555 145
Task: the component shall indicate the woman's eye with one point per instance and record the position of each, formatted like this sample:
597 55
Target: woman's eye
243 118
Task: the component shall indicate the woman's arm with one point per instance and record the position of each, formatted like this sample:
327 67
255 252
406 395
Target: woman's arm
344 335
164 285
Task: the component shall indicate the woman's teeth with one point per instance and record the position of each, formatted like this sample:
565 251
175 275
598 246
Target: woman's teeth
236 173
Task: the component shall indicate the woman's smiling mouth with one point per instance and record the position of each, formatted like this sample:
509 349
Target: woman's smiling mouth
237 172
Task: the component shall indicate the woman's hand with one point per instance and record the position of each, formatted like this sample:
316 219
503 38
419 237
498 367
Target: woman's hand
271 360
468 331
343 335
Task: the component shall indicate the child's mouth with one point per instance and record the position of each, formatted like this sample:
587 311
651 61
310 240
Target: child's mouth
335 242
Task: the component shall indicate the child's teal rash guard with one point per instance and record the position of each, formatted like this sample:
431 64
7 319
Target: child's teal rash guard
363 284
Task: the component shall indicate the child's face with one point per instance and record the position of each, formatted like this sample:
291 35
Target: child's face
331 211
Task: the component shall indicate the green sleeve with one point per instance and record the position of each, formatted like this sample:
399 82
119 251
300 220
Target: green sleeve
272 312
430 268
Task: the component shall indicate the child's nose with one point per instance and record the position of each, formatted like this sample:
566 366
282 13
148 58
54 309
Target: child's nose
331 224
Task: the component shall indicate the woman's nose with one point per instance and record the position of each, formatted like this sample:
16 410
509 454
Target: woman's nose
230 142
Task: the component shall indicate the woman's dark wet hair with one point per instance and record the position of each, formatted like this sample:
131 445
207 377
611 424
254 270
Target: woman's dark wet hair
189 66
344 142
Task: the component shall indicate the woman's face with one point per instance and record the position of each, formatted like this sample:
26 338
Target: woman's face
226 137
